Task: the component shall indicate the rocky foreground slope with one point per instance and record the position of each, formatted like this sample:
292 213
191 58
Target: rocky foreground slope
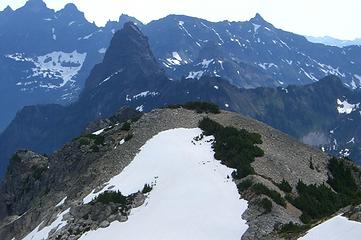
44 196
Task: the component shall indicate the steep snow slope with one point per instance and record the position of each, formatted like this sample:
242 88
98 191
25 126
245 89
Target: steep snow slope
334 229
192 196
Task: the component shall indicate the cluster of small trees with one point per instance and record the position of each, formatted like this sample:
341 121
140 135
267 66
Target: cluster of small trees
285 186
87 139
199 107
235 148
318 201
259 189
110 197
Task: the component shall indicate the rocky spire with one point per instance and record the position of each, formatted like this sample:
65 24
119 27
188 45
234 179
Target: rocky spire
130 48
128 57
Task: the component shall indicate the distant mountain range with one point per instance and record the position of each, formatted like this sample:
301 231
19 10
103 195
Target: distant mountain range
46 55
334 41
325 113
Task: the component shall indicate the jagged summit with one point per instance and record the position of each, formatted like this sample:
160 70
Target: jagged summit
70 7
124 18
8 9
258 19
70 10
35 4
130 48
35 7
127 61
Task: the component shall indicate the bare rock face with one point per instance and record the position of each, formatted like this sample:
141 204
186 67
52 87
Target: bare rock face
22 182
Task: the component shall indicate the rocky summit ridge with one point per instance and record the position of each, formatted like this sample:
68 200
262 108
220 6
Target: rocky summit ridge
56 185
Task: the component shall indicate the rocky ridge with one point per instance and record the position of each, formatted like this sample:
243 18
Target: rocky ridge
79 167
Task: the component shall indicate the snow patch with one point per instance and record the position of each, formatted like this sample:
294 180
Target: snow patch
61 202
55 226
266 66
98 132
195 75
140 108
188 187
285 90
345 152
175 60
181 26
108 78
335 229
346 107
145 94
309 75
205 63
53 66
88 36
53 33
102 50
256 27
329 70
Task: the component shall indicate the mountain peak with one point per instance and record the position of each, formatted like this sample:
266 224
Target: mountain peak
70 7
35 4
258 19
71 10
124 18
129 52
131 27
8 9
130 47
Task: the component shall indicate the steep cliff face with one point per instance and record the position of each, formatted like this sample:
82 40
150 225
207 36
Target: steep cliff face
59 193
22 184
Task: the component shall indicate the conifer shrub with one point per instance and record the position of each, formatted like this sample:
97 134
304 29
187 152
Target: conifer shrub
316 202
128 137
343 182
98 139
199 107
244 185
83 141
292 228
111 197
259 189
266 204
147 188
126 126
87 139
320 201
235 148
285 186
